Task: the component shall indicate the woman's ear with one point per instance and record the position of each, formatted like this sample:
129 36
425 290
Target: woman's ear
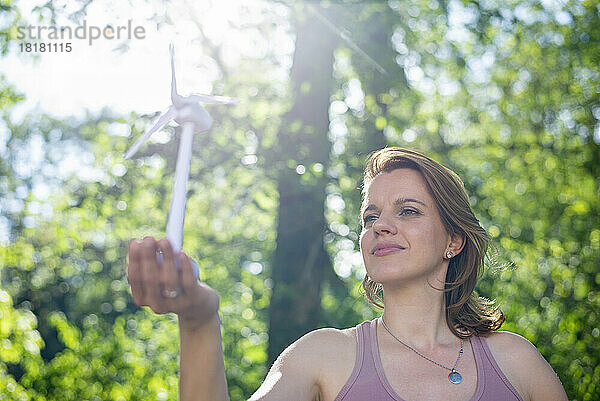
457 243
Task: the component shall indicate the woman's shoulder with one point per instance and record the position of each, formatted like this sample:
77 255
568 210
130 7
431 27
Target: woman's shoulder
507 341
523 365
513 353
320 348
315 365
335 356
329 340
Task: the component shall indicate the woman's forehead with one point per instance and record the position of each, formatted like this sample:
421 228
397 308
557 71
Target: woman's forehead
399 183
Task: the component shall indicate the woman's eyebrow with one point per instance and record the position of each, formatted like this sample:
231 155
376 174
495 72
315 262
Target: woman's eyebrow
397 202
401 201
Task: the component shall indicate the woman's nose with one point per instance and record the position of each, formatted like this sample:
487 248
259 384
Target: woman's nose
383 225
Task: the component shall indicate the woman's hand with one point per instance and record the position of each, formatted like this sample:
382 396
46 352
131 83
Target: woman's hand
164 288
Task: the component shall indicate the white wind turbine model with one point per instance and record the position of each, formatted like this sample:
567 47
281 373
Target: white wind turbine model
187 112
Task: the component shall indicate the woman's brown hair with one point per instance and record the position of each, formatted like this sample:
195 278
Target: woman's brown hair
466 313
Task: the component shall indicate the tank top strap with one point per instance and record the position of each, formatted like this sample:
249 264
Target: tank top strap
361 344
365 382
495 383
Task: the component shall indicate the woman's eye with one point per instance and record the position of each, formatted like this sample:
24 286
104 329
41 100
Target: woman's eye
404 212
369 218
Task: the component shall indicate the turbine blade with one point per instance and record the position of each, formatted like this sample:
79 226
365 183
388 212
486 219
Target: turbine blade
173 82
160 123
195 98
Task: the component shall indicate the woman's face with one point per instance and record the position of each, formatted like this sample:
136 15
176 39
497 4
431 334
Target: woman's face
403 238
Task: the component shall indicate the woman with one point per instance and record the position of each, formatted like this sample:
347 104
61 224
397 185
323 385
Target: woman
423 250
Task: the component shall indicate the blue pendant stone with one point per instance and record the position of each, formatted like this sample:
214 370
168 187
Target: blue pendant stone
455 377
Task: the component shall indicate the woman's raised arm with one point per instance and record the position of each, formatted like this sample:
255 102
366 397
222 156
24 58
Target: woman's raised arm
166 289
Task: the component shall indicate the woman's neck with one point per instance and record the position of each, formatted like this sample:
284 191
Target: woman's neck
417 316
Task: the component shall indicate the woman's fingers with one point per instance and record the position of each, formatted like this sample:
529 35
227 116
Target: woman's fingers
154 279
188 279
166 288
169 277
150 278
134 273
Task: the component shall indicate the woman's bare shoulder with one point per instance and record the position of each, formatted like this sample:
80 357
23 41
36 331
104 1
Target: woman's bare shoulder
304 370
514 351
506 340
332 336
321 345
510 350
330 344
525 367
328 336
335 358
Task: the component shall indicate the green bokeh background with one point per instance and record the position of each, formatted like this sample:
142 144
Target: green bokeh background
511 104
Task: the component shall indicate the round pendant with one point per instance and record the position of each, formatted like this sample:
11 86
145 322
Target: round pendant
455 377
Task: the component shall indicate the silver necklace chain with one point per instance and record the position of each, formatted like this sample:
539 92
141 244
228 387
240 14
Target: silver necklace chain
460 353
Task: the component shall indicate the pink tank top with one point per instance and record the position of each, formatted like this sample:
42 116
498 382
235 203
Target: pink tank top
368 381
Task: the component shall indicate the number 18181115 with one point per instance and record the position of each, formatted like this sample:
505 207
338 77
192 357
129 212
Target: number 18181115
45 47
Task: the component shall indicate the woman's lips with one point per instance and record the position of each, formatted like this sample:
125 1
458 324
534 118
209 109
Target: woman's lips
386 251
385 248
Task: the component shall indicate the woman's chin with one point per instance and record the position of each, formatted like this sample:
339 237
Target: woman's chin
401 278
391 276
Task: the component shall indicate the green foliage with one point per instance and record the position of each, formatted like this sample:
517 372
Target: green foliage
125 361
68 267
508 99
20 346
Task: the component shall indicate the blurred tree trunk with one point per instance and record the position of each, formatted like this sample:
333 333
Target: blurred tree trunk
300 258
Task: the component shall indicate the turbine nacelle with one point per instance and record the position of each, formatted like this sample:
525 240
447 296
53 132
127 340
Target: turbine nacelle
196 114
184 109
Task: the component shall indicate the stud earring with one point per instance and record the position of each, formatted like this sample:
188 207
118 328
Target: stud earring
449 254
